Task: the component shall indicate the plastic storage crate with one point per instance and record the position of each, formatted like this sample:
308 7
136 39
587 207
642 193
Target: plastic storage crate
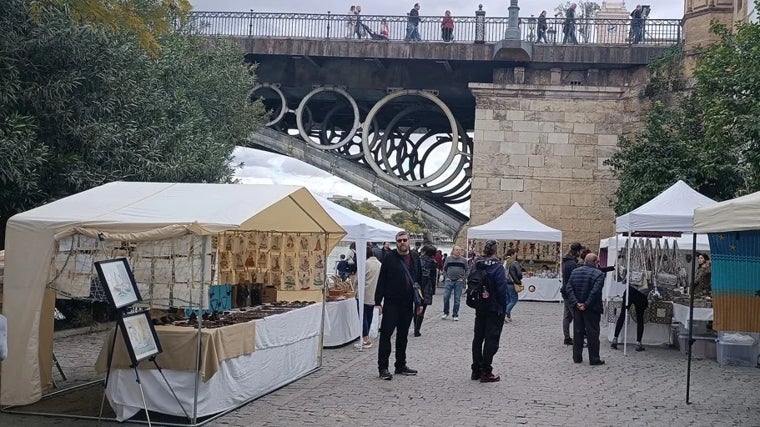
745 352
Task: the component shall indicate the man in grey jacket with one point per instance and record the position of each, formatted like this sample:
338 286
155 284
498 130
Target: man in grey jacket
455 270
584 294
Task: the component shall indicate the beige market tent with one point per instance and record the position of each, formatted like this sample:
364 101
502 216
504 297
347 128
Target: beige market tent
148 211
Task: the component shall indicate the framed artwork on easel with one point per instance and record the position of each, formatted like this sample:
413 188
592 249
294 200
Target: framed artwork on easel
139 336
118 282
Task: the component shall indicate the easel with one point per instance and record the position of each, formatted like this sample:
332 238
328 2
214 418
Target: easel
134 365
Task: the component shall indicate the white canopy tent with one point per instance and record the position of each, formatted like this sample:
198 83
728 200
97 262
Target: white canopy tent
149 210
360 229
515 224
671 211
737 214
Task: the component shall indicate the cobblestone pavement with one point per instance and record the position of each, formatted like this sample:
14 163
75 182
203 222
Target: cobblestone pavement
540 384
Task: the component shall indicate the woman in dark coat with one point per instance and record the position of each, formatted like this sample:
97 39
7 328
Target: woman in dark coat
429 271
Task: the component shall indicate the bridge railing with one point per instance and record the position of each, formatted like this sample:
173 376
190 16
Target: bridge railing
467 29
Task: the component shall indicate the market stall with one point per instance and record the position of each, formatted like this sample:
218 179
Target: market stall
179 239
670 213
538 247
359 229
733 227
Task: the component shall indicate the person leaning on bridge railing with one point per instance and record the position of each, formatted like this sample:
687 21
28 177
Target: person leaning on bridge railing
447 27
413 23
637 25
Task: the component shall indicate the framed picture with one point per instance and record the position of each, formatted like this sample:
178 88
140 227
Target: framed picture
118 282
139 336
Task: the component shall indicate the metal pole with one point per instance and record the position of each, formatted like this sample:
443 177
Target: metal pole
250 32
329 18
629 245
200 327
691 312
480 25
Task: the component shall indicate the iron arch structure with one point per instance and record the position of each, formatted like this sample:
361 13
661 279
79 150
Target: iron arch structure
406 147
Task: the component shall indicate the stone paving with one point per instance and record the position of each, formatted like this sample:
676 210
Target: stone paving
540 384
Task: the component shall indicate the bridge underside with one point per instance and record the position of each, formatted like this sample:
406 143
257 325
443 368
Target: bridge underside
434 214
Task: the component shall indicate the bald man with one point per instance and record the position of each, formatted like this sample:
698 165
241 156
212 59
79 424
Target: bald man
584 295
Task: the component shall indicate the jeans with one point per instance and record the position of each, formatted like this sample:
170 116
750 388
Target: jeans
412 33
511 299
456 287
369 312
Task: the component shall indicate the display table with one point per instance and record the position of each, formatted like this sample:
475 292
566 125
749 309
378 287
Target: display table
681 314
654 333
538 289
286 348
341 322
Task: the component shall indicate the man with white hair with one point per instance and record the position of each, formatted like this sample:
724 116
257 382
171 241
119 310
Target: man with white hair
584 294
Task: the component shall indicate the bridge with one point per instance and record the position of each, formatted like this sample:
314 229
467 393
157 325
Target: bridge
401 119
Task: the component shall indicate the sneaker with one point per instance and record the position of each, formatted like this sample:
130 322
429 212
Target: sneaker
614 344
476 375
417 334
640 347
508 319
596 362
385 375
444 316
405 371
367 344
489 378
568 341
455 318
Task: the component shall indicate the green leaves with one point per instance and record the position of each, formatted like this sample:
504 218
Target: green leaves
708 136
82 105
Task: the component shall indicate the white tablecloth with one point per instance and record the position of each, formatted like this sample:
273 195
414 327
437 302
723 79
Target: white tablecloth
654 333
287 348
341 323
681 314
537 289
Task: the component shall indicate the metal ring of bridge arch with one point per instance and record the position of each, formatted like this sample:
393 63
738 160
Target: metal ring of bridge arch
284 110
347 138
368 152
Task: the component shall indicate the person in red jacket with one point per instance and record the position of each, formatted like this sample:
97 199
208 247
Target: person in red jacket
447 27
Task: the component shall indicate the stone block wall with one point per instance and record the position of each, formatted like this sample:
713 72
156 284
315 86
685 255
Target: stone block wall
544 147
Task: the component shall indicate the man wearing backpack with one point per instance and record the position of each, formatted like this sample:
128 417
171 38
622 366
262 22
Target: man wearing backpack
394 295
489 314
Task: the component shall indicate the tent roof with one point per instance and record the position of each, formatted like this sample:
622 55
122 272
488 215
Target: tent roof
684 242
736 214
671 211
359 227
131 206
515 224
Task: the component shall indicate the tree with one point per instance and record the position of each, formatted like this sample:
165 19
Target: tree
81 106
370 210
587 10
408 222
146 20
707 135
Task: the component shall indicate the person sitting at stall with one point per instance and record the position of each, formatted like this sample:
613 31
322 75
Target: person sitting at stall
640 302
703 277
343 268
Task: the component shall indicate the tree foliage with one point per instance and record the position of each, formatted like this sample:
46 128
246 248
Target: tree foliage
146 20
81 106
708 135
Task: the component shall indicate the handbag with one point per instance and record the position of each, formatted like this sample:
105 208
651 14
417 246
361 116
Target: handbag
418 298
519 287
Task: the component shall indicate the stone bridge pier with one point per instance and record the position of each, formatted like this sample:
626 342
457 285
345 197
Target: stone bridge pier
541 138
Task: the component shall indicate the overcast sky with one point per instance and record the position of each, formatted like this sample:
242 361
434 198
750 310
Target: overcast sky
661 9
263 167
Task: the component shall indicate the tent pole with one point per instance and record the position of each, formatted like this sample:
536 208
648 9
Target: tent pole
361 271
199 317
691 312
629 245
324 307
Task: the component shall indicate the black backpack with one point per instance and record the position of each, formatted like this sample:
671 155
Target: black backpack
477 292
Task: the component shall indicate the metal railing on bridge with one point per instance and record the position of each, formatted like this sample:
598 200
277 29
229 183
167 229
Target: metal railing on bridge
467 29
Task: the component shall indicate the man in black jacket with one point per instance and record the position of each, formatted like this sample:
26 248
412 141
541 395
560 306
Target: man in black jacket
394 296
569 263
584 293
489 320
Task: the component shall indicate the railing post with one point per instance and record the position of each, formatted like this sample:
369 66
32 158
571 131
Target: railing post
250 23
480 25
328 24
